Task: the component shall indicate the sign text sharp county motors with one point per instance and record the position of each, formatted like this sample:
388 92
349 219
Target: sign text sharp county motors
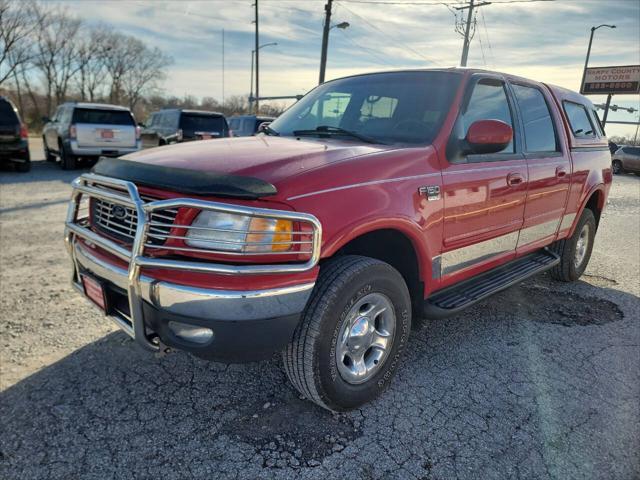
605 80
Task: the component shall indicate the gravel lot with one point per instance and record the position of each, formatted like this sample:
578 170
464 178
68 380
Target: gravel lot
542 381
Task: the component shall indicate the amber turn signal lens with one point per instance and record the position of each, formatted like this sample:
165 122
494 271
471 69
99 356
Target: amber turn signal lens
274 234
282 234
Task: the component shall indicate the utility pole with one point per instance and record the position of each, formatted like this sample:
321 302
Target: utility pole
325 39
223 68
467 29
606 111
257 58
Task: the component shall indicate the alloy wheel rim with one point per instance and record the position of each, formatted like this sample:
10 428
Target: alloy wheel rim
365 338
581 246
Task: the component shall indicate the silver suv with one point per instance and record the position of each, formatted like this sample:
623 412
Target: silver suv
89 130
626 159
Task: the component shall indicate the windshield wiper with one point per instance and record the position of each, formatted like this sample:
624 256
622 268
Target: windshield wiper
328 130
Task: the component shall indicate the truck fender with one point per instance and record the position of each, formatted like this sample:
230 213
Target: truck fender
596 188
403 225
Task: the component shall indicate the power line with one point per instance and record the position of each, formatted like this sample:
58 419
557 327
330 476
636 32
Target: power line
475 21
395 40
370 51
384 2
486 34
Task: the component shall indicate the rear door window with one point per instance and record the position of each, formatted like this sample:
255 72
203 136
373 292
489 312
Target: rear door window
105 117
202 123
539 132
579 120
7 116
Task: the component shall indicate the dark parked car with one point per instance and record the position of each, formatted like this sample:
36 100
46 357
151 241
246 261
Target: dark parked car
14 142
89 130
626 159
178 125
247 125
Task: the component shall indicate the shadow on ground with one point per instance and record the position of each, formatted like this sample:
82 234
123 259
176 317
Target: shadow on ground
41 171
534 383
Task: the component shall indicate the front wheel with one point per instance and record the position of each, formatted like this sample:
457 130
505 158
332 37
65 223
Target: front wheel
349 342
575 251
616 166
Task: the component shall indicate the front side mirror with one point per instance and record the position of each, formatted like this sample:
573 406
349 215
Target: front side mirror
488 136
142 125
262 126
45 119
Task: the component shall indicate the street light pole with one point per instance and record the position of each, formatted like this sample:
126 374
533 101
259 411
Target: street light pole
257 53
586 61
325 39
253 55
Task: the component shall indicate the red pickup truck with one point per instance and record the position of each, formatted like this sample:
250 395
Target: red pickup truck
375 199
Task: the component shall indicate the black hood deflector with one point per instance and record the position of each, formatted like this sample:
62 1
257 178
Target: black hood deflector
183 180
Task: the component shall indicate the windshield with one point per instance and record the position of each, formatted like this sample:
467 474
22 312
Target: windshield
397 107
212 124
104 117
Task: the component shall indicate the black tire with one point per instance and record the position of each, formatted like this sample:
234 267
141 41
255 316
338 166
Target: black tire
23 167
616 167
567 270
48 156
67 160
310 359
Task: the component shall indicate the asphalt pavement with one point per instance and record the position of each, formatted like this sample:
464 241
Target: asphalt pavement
539 382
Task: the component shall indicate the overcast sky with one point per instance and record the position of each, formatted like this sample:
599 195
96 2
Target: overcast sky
545 41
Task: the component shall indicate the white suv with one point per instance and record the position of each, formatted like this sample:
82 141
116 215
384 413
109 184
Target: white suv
89 130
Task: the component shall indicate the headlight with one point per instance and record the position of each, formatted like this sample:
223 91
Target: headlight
239 233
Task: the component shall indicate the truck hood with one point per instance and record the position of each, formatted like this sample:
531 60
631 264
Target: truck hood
271 159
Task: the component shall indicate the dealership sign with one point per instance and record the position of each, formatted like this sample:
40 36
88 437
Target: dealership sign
610 80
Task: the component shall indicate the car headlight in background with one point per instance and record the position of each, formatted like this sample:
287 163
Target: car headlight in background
239 233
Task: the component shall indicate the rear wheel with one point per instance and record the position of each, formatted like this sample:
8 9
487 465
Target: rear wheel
349 342
616 166
67 160
575 251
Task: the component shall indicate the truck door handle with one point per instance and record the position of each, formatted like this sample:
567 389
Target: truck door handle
514 179
561 172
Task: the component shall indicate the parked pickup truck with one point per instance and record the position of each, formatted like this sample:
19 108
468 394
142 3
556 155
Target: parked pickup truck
89 131
374 200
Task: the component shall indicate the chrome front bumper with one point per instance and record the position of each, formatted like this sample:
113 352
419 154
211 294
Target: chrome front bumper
231 305
177 300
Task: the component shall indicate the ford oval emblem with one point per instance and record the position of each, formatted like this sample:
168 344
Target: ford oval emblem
119 212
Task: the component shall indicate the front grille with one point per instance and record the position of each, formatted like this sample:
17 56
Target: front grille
121 222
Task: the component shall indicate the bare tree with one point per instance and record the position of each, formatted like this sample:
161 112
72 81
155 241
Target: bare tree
16 25
93 46
121 54
56 51
147 71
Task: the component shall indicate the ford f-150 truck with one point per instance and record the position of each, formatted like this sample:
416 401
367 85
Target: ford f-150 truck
374 200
